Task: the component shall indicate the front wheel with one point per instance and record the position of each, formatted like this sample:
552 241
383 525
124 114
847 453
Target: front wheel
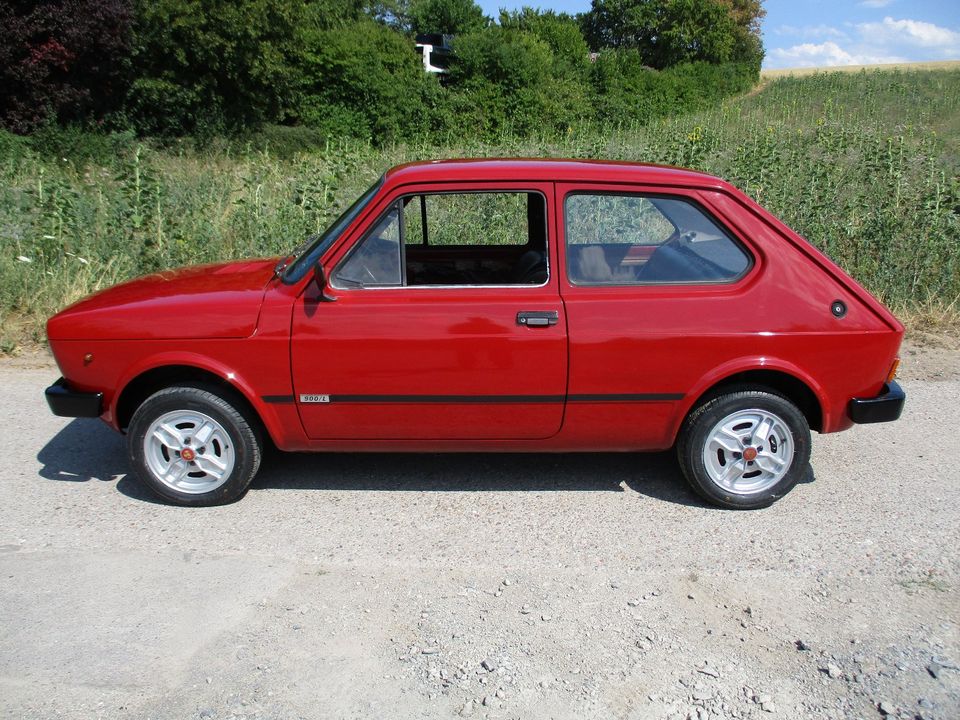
193 447
744 449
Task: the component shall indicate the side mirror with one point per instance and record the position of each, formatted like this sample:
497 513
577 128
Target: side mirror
320 278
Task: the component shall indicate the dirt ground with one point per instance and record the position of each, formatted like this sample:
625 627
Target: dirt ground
507 586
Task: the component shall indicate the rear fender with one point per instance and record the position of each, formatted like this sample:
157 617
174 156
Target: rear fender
747 364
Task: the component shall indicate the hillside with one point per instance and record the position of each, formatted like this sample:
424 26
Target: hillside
864 164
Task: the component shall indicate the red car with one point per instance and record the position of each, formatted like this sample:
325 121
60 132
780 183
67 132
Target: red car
494 305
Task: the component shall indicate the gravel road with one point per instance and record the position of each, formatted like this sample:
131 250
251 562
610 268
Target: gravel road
539 586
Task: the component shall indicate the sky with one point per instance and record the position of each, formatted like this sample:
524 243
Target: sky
817 33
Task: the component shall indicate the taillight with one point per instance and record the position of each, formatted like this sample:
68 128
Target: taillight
891 376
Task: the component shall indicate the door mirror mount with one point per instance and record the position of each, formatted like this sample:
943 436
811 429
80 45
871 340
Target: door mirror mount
320 278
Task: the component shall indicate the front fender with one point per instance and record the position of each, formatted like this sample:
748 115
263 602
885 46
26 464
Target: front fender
267 413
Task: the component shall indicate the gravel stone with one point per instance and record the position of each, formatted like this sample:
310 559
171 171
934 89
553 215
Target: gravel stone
832 670
340 535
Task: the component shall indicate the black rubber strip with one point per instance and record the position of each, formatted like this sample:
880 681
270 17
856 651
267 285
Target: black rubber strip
485 399
452 399
625 397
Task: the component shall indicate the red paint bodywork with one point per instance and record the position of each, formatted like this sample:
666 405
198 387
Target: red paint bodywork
273 341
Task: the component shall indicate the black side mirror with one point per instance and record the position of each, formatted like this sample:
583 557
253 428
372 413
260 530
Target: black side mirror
320 278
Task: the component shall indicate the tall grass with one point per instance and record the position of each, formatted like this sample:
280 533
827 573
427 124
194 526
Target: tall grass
864 165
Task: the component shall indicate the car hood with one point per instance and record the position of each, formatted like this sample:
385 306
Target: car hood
203 301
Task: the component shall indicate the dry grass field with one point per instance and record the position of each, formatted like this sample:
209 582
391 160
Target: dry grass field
799 72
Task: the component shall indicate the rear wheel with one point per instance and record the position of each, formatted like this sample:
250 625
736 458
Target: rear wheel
193 447
745 448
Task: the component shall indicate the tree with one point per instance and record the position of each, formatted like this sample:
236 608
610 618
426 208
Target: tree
62 60
446 17
747 45
211 65
669 32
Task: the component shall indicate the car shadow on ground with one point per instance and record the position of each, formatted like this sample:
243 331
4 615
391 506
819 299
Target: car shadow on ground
87 450
652 474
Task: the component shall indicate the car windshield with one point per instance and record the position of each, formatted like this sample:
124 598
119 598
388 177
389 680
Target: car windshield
305 256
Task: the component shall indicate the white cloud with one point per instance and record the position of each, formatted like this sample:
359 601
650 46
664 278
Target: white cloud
825 54
874 3
888 41
811 32
910 32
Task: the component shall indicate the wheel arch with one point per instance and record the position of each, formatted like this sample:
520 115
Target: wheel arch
791 383
162 374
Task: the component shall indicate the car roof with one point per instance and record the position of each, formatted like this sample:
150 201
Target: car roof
549 170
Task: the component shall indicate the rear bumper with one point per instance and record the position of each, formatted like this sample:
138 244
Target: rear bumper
68 403
885 407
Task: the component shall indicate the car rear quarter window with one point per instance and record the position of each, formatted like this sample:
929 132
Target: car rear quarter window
635 239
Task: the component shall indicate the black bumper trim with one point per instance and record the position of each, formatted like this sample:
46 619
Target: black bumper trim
885 407
65 402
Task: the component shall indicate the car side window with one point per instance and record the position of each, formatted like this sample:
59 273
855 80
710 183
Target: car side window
375 261
632 239
453 239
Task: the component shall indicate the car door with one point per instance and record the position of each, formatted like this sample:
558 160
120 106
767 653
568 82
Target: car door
434 332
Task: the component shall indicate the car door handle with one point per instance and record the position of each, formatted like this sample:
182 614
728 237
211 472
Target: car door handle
538 318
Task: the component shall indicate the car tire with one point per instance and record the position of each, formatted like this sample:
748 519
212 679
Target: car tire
745 448
193 446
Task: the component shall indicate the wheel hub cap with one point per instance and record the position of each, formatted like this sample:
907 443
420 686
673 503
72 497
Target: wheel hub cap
189 451
748 451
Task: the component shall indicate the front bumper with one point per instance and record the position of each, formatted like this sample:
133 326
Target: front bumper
68 403
885 407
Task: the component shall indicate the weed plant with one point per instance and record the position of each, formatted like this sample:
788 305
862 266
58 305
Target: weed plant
864 165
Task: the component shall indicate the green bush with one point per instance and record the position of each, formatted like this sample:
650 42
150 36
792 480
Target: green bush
364 81
627 91
561 32
504 81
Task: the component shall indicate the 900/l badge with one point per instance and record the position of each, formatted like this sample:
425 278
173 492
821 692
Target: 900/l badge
314 398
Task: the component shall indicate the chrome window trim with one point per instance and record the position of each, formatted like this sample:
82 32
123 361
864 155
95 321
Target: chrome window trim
751 258
404 286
